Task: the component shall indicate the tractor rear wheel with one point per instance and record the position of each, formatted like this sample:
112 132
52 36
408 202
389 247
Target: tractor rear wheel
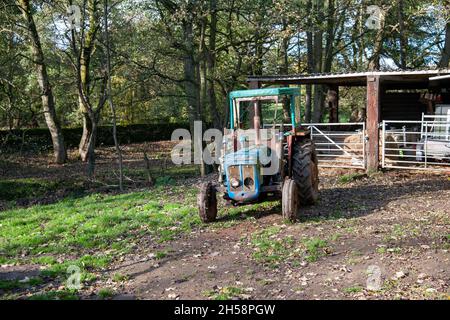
290 200
207 202
305 172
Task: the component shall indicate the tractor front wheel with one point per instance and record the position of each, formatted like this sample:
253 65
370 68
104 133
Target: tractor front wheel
207 202
290 200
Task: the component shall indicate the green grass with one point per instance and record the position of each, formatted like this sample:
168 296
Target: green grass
347 178
94 229
269 248
55 295
105 293
168 176
96 222
226 293
161 254
355 289
8 285
117 277
15 189
315 249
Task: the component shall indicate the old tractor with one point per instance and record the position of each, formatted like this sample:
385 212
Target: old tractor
265 154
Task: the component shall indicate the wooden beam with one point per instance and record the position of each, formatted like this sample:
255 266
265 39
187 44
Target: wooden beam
333 103
254 84
373 118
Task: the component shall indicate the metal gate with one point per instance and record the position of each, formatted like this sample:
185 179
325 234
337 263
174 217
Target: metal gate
339 145
417 145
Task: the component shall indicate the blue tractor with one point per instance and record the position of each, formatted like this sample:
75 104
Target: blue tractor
265 153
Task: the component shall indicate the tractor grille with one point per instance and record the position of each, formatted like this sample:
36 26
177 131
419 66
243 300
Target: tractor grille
247 181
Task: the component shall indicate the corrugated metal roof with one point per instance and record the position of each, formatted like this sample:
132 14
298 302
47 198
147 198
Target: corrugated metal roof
352 78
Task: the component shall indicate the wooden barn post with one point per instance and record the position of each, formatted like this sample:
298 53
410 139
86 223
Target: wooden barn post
373 117
333 103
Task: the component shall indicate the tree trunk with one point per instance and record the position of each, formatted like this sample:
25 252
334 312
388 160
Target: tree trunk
402 35
86 51
91 151
445 59
284 68
191 86
109 93
310 62
211 61
83 148
48 101
329 47
319 98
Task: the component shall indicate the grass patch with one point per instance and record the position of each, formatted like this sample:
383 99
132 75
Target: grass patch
161 254
347 178
164 181
269 248
15 189
8 285
226 293
355 289
117 277
55 295
168 175
85 263
315 248
105 293
96 222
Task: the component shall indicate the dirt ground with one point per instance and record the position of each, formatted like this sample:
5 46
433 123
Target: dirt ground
397 223
388 232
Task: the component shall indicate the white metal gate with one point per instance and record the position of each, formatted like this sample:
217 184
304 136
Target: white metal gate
417 145
339 145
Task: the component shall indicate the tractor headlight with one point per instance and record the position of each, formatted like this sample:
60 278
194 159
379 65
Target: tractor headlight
248 182
235 182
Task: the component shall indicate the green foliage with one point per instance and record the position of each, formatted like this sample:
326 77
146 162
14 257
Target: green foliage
241 38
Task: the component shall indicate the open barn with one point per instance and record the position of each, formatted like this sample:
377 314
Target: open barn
404 109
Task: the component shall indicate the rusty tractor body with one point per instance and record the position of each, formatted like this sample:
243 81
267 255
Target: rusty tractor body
265 154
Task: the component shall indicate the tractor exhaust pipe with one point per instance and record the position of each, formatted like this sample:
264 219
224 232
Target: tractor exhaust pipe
257 122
